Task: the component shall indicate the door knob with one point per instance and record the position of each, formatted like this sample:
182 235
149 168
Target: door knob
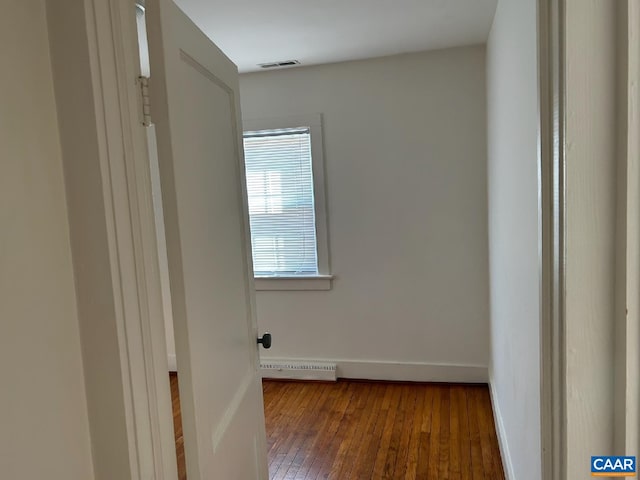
265 340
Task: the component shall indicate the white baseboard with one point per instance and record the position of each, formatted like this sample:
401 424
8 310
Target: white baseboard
398 371
502 434
391 371
173 366
412 372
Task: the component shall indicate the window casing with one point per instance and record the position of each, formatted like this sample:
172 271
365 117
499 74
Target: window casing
284 173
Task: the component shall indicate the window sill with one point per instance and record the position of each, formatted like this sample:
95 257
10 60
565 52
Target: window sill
315 282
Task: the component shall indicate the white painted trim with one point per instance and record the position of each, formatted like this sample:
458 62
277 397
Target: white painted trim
632 440
399 371
627 362
314 122
590 138
316 282
412 372
173 363
274 123
502 434
147 363
551 241
128 242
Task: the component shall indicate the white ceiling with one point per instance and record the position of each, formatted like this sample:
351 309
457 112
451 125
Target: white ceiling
322 31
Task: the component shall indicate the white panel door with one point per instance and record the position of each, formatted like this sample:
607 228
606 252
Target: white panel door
196 111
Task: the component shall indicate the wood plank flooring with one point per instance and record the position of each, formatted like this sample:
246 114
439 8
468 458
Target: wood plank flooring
372 430
364 430
177 426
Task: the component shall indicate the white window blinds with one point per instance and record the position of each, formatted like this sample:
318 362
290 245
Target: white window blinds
281 203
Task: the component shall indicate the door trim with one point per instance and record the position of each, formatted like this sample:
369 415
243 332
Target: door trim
115 64
551 193
627 329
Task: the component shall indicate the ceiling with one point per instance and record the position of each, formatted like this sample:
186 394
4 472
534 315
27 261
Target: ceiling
323 31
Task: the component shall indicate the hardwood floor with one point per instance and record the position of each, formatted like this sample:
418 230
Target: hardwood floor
371 430
177 426
364 430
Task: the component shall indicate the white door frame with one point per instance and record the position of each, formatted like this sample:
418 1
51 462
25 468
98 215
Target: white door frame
559 454
627 315
146 413
96 66
112 31
551 171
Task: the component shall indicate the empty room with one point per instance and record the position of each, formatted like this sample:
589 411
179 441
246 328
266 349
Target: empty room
355 240
365 158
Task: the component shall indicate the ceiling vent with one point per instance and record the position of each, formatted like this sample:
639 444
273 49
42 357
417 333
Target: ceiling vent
286 63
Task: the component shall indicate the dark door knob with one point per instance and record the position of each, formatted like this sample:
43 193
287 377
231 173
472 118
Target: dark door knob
265 340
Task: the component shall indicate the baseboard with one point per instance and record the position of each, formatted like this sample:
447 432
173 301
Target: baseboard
502 434
397 371
390 371
173 366
412 372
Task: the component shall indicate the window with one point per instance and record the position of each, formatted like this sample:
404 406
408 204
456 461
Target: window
285 191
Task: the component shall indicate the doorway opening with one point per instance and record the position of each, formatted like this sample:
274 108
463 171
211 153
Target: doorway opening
444 407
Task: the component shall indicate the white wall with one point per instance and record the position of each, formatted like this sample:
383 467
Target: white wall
512 104
43 410
405 155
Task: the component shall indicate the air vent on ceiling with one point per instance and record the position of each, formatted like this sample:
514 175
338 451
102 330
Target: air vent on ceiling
286 63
